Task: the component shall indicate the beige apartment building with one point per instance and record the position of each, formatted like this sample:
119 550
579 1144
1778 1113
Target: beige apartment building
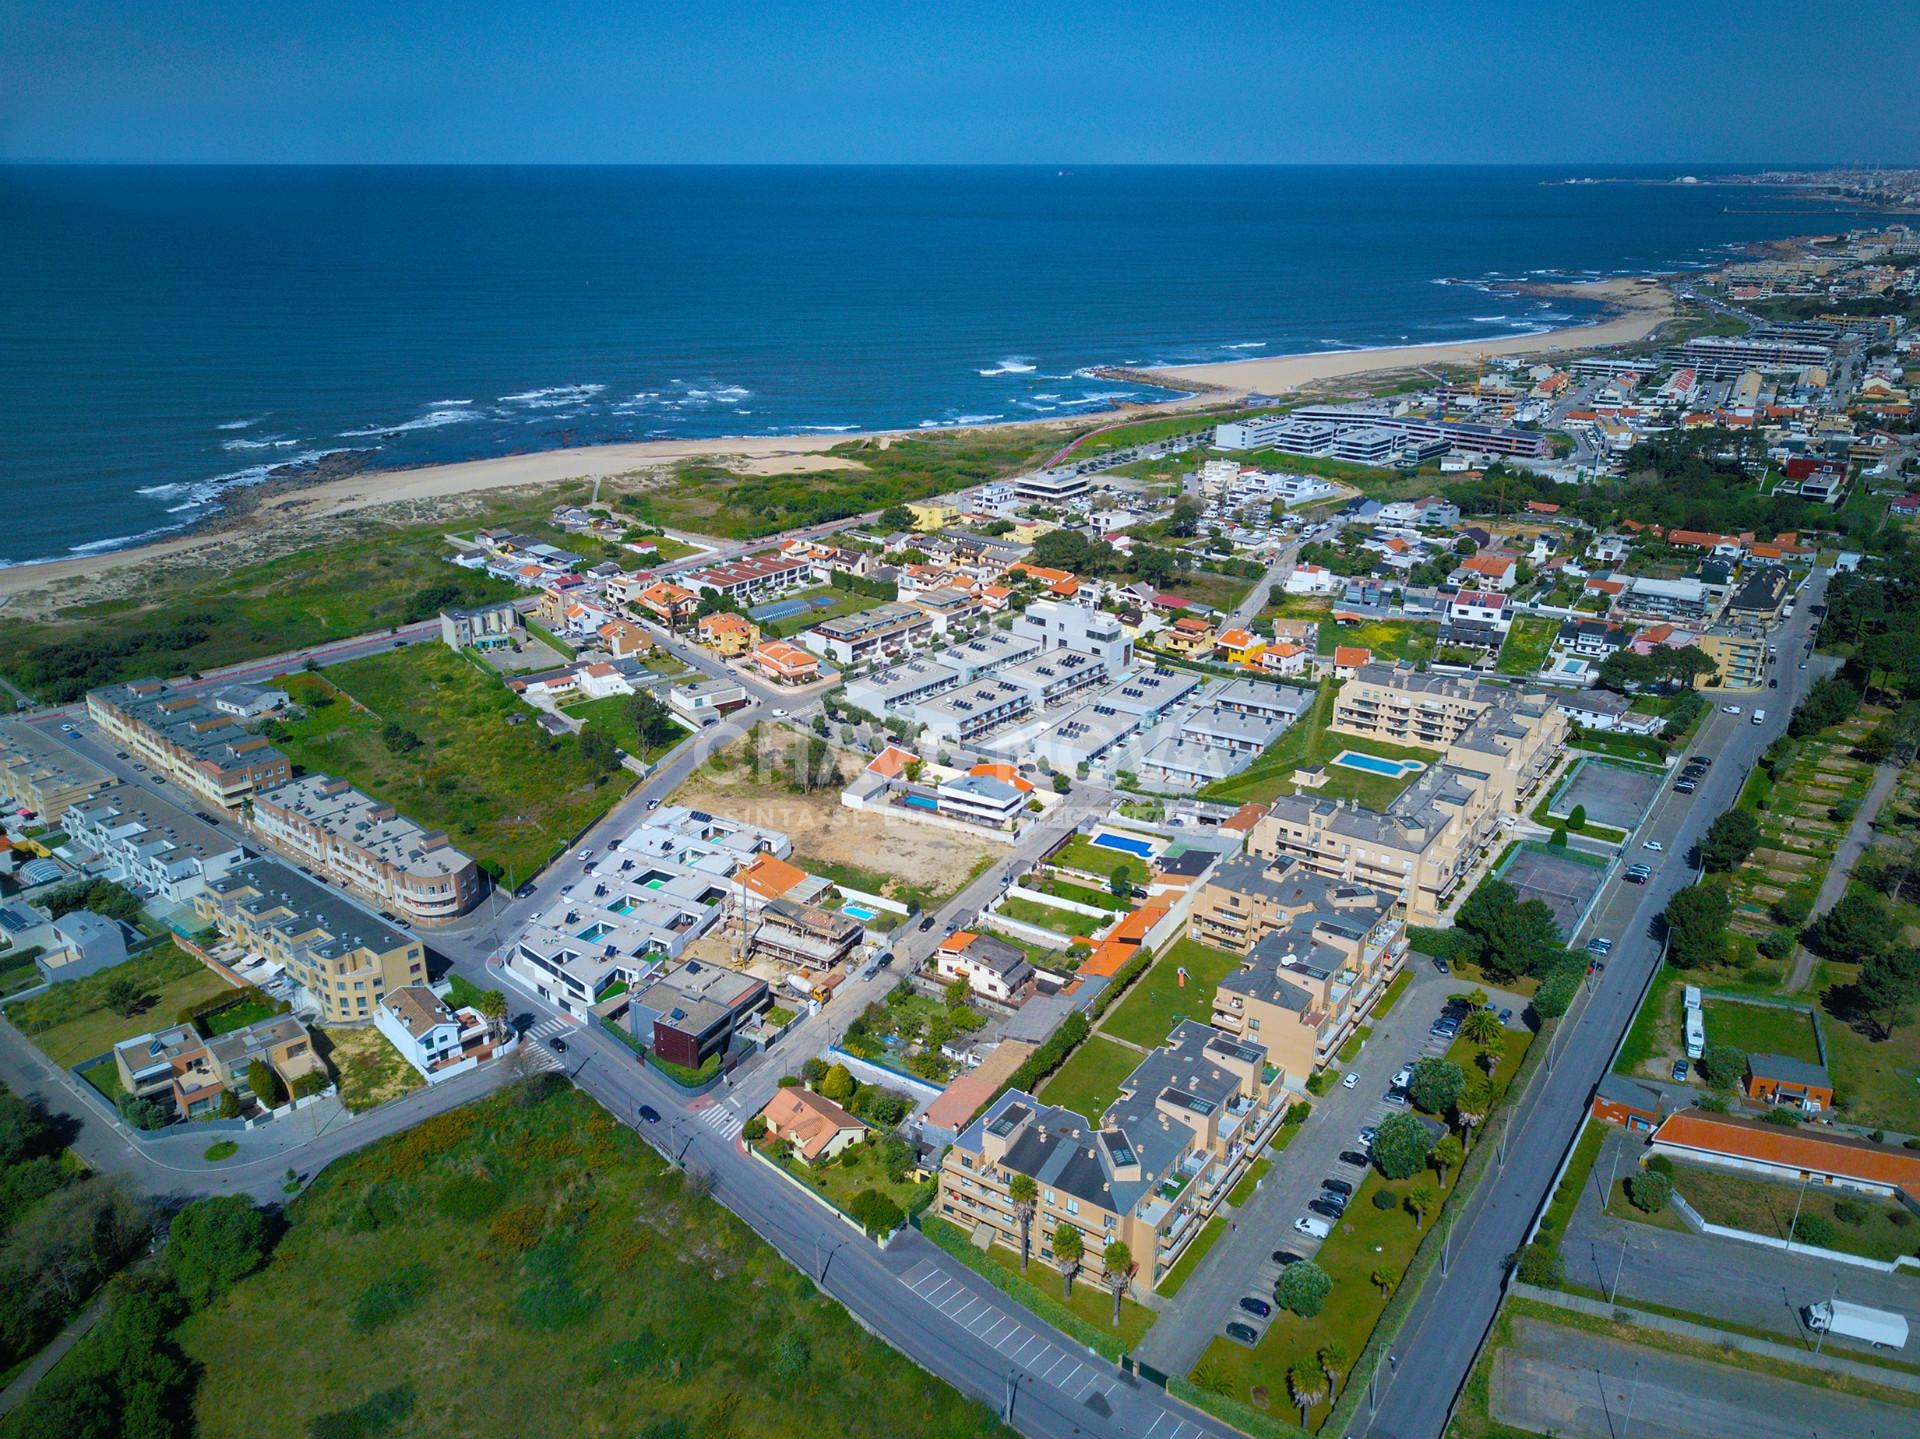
367 846
39 773
1150 1172
342 957
1318 951
208 752
1496 743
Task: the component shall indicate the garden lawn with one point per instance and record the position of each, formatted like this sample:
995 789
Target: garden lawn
1307 743
841 1182
71 1021
520 1218
237 1016
1250 1181
1047 916
1081 853
1082 894
1182 1271
1089 1309
1760 1029
1878 1078
1767 1209
611 714
1157 1002
1090 1079
1621 746
1527 645
503 793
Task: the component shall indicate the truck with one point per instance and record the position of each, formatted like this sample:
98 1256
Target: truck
1882 1328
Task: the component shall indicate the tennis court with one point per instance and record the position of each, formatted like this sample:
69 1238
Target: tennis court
1616 795
787 609
1566 881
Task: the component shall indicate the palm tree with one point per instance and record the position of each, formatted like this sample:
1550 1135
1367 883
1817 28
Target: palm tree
1420 1199
1482 1027
1308 1386
1476 1099
1025 1195
1384 1279
1120 1271
1446 1154
492 1005
1474 999
1068 1247
1334 1360
1487 1061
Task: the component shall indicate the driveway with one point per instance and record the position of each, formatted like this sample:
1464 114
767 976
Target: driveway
1240 1262
1567 1382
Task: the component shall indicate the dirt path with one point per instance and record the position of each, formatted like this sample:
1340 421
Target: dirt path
1858 837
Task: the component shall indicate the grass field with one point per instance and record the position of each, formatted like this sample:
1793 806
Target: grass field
1309 742
505 793
1878 1078
1388 639
612 715
1182 1271
1768 1209
1084 855
1051 917
1220 592
539 1283
1760 1029
72 1022
1090 1079
1528 643
368 1070
1157 1002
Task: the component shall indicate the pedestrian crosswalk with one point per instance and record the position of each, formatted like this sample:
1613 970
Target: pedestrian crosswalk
546 1029
542 1060
723 1120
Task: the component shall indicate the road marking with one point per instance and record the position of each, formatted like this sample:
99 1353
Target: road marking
967 1301
1164 1417
723 1120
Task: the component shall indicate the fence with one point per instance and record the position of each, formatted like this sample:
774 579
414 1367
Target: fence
1792 1246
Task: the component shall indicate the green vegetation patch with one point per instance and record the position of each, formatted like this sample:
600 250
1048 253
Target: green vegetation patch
1090 1080
80 1018
1181 1272
1527 646
1158 1001
1761 1029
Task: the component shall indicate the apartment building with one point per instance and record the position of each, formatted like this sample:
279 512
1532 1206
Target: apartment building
620 931
973 712
1149 1172
366 845
1319 952
1739 656
1682 601
883 631
1496 744
39 774
342 958
755 578
1063 624
150 846
727 635
690 1014
209 754
482 627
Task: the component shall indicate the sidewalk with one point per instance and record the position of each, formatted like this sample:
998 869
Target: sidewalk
1858 839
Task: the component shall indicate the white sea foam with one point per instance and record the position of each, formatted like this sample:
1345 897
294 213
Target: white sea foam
959 420
270 443
448 404
1011 365
431 420
553 398
240 424
817 429
1247 345
717 395
119 542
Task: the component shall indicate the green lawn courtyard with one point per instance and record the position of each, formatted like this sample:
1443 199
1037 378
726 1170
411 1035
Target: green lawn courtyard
1760 1028
1527 645
1308 743
1157 1001
1090 1079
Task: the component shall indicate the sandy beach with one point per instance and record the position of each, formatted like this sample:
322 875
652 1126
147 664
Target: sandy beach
1641 305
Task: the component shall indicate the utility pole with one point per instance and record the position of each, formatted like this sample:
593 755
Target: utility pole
1798 1201
1632 1394
1822 1334
1614 1292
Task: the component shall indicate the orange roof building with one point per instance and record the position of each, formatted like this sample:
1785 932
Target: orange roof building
1244 818
891 762
1794 1154
785 662
1004 772
1123 942
769 878
814 1126
1350 657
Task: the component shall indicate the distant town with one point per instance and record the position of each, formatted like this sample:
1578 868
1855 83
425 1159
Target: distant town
1351 912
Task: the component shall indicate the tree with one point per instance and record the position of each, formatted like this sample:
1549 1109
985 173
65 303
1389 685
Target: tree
598 749
957 992
1436 1084
1697 925
140 1113
1069 1247
1184 519
1482 1027
1120 881
1474 1104
652 721
1888 988
1449 1153
1723 1065
1859 926
894 518
1507 937
1383 1278
755 1129
1303 1288
876 1212
1729 840
265 1084
1334 1361
1120 1267
1577 821
492 1005
1649 1191
1814 1229
1539 1265
1401 1145
1420 1199
123 995
1307 1385
1025 1195
215 1242
837 1084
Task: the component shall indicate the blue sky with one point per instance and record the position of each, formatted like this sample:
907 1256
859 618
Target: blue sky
1047 81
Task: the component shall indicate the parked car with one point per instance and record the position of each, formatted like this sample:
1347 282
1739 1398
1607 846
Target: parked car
1338 1186
1258 1307
1312 1227
1655 846
1773 684
1245 1333
1349 1080
1441 966
1684 786
1396 1097
1506 1016
650 1114
1729 709
1705 761
1327 1207
1284 1257
1366 1137
926 923
1403 1076
1597 945
1638 874
1353 1157
1679 1070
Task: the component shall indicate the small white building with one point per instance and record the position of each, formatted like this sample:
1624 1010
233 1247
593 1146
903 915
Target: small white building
434 1038
990 966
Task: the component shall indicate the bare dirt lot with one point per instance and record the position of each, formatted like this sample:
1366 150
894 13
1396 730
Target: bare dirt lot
905 860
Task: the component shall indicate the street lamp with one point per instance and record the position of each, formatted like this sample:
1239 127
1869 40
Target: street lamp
1632 1394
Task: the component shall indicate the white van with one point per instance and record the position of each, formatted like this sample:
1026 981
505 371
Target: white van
1759 716
1313 1226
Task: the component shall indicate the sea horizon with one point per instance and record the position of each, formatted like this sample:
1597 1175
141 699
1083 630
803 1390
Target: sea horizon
177 332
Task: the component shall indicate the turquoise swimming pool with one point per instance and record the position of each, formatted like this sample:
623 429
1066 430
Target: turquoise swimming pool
1373 764
860 912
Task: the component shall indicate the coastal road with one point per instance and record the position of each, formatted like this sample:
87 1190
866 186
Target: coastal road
1448 1323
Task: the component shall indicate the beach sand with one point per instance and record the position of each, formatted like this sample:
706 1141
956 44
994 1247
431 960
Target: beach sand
1641 306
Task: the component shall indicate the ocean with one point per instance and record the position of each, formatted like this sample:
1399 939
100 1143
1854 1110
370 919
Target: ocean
169 334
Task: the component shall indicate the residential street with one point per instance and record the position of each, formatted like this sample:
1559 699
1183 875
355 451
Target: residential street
1443 1333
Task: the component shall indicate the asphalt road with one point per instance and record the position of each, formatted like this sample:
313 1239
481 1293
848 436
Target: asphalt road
1449 1321
1581 1386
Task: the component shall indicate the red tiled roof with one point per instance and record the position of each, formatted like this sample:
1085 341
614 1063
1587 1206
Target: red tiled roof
1795 1149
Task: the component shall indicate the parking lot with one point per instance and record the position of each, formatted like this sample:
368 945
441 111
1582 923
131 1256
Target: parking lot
1566 881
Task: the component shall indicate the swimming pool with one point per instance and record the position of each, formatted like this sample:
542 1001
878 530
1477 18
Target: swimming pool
1373 764
860 912
1121 842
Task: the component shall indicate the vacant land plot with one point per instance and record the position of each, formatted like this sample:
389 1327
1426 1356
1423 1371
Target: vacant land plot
1202 587
426 730
368 1070
81 1018
537 1282
1051 917
1090 1080
1615 795
1870 1228
1309 743
1760 1029
614 715
1565 880
1527 645
1879 1079
1388 639
1160 999
870 850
